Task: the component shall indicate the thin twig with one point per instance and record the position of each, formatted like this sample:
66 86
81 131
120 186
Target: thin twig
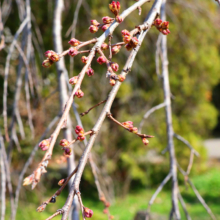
86 112
184 206
149 112
186 143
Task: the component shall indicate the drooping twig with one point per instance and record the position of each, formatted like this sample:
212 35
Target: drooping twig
184 206
149 112
106 109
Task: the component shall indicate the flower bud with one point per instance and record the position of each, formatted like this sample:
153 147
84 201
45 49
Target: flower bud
79 128
145 141
73 80
74 42
93 29
28 180
125 32
119 19
105 211
135 130
107 204
73 51
128 47
64 143
112 82
121 78
115 66
47 63
101 60
107 20
84 59
87 212
61 182
41 207
134 41
128 124
104 46
67 151
79 93
94 22
157 22
105 27
90 72
115 7
116 49
44 145
127 38
165 25
51 55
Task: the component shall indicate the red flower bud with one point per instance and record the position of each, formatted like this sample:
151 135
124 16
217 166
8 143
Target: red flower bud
79 93
53 56
105 27
145 141
73 51
73 80
121 78
44 145
101 60
125 32
158 22
94 22
104 46
84 59
115 66
164 32
74 42
135 130
115 7
79 128
105 211
112 82
67 151
87 212
107 204
128 124
93 29
90 72
47 63
165 25
61 182
119 19
64 143
107 20
116 49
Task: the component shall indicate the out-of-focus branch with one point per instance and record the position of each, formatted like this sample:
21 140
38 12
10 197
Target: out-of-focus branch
149 112
168 111
184 206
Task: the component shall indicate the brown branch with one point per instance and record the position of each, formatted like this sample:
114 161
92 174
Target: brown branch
86 112
58 212
81 204
120 124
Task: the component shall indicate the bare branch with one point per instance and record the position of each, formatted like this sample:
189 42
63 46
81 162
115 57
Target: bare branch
184 206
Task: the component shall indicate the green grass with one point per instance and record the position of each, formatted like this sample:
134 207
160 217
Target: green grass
125 209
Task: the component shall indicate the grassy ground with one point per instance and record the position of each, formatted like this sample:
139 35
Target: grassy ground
125 209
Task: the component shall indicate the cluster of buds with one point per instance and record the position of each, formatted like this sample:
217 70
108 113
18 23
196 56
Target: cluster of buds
87 212
90 72
73 80
44 145
162 26
130 127
107 20
65 146
115 8
52 57
73 51
80 131
79 93
101 60
74 42
131 42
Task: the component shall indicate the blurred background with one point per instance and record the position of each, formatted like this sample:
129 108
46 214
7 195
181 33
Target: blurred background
129 171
